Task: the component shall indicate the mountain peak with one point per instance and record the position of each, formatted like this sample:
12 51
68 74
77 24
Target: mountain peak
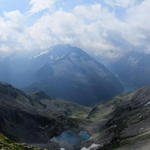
70 73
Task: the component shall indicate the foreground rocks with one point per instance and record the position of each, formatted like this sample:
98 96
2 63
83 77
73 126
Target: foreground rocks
122 123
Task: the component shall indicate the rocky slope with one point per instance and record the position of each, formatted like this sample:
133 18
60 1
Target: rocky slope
34 119
122 123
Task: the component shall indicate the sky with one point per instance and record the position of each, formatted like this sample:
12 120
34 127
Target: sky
108 28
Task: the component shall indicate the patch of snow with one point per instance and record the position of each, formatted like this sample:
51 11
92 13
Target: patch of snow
147 103
93 146
56 58
40 54
62 149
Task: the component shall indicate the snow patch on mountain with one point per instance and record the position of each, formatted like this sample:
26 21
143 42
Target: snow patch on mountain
40 54
92 147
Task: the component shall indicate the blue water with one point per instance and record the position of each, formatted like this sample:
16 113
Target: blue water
71 137
84 136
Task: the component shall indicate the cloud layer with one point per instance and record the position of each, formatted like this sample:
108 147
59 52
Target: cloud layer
97 28
39 5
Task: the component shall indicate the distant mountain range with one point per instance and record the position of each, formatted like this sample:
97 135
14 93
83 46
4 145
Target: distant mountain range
47 69
62 71
132 69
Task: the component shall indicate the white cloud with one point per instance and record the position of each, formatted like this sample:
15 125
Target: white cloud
39 5
92 27
121 3
137 29
13 32
68 27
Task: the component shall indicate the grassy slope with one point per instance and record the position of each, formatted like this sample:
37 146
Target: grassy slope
7 144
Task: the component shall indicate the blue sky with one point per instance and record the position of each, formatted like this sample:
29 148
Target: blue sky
10 5
23 6
28 25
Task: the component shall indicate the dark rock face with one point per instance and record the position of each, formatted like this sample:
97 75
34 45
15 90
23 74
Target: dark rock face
132 116
72 74
24 119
